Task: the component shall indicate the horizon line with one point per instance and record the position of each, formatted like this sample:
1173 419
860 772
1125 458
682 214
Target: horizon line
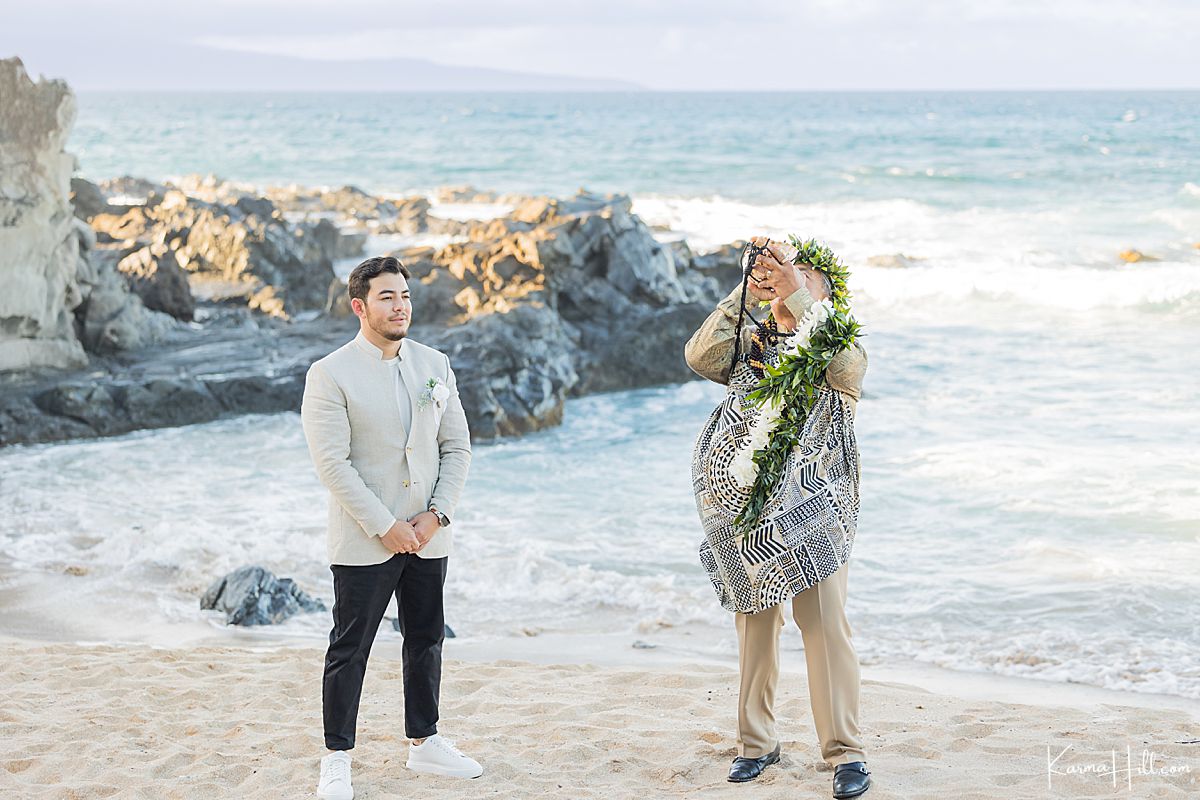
221 90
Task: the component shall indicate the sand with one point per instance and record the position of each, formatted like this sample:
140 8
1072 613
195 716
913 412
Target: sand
81 721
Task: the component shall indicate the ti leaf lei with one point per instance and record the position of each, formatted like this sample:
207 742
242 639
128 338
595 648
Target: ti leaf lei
787 391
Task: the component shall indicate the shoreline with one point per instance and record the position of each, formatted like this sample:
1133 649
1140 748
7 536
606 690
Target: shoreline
28 600
614 651
242 720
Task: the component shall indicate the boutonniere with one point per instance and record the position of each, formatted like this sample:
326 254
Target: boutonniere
435 392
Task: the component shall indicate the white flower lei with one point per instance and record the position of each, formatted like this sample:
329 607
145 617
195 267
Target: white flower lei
742 467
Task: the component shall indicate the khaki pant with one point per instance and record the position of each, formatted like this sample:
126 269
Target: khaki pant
833 676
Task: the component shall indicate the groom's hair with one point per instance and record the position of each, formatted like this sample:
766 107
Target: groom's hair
359 282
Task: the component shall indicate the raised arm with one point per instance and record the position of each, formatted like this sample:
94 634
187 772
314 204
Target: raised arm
711 346
327 431
845 371
454 451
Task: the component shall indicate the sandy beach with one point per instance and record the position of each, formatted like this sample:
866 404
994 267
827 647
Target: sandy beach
1025 569
97 721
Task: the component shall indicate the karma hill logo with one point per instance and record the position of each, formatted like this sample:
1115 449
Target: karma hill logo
1116 768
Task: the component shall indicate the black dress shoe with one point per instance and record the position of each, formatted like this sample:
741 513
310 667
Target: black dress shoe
850 779
747 769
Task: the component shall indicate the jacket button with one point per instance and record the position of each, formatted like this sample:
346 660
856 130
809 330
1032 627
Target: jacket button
406 484
408 449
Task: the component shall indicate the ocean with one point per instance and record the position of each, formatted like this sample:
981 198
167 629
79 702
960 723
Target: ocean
1031 484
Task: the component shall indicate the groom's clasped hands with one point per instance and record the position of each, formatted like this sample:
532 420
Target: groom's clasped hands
409 536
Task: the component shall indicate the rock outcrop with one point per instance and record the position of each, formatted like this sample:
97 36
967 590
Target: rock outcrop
175 247
514 369
1132 256
239 363
110 318
254 596
560 298
39 249
56 304
354 209
897 260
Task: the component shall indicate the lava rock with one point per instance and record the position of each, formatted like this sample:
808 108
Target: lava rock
254 596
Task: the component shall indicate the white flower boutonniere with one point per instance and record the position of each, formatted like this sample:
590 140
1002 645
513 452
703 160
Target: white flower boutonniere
436 393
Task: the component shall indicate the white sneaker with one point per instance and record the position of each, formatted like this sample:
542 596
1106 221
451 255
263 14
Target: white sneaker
335 777
438 756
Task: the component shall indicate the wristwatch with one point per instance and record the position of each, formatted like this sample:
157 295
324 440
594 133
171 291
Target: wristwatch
443 520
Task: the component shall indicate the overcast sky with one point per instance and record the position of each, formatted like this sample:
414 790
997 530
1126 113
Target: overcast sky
682 44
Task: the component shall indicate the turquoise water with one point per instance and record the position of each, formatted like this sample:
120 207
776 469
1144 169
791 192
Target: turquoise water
951 149
1043 179
1031 491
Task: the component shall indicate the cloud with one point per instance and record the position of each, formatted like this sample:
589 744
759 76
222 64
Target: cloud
680 44
464 46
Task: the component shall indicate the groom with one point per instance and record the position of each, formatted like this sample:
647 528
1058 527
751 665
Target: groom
387 433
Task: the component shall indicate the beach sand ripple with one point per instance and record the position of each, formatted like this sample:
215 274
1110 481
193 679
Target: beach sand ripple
124 721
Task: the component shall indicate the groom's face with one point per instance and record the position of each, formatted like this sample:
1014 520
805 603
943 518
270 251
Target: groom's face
388 307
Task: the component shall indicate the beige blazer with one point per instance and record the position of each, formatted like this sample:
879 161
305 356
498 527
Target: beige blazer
377 472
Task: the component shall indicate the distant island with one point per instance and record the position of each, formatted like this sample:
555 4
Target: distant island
173 67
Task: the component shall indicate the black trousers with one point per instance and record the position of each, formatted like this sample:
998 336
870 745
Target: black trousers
360 596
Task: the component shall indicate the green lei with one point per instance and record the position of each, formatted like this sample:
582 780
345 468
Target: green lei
793 383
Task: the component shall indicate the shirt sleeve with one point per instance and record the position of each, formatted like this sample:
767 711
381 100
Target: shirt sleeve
326 425
710 348
798 301
454 450
845 372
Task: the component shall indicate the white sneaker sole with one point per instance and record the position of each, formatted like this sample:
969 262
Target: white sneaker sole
338 795
447 772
